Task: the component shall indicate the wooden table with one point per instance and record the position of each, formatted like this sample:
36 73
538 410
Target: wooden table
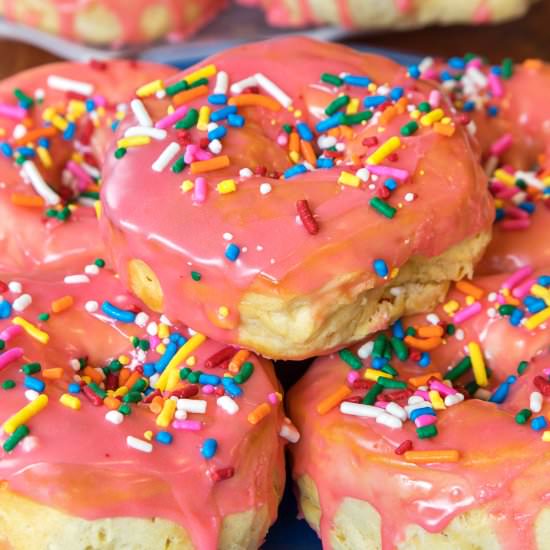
519 39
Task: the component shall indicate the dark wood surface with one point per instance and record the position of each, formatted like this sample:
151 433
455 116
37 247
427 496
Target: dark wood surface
520 39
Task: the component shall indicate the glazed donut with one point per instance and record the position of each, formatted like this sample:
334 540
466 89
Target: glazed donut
282 214
56 121
372 14
118 431
449 450
114 23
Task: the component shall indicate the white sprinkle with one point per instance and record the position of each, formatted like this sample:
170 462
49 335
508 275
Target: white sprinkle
29 444
166 341
192 405
152 328
211 126
165 320
358 409
433 319
114 417
453 399
477 77
140 112
530 179
273 90
340 147
227 404
153 380
491 313
180 415
363 174
74 364
139 444
39 94
409 197
68 85
259 247
141 319
535 401
222 83
245 173
326 142
19 131
396 291
31 395
21 303
425 64
365 350
91 269
166 156
91 306
15 286
215 146
37 181
389 421
154 133
227 236
459 335
289 432
76 279
265 188
238 87
492 297
396 410
160 94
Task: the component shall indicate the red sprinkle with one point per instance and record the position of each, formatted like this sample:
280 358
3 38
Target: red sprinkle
306 216
542 385
3 287
362 384
219 357
407 445
149 398
370 141
187 391
97 64
92 396
223 473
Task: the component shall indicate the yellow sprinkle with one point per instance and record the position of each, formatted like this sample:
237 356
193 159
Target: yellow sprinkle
100 111
120 115
433 116
173 380
546 436
223 311
161 348
167 413
122 391
163 331
541 292
226 186
451 307
187 186
86 379
504 177
191 361
353 106
123 359
59 122
470 300
76 108
347 178
387 148
170 109
97 208
204 118
478 364
372 87
148 435
446 120
32 330
133 141
437 402
70 401
535 320
25 414
394 273
374 375
415 115
294 156
44 156
48 114
150 88
203 72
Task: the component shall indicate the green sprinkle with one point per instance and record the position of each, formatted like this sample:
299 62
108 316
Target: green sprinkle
388 369
337 104
100 262
388 353
132 397
372 394
31 368
194 376
115 365
99 391
471 387
144 345
411 331
176 88
450 329
409 128
8 385
140 386
357 118
287 128
135 341
20 433
506 309
521 184
383 207
2 344
245 373
522 367
184 373
390 383
20 160
351 359
459 369
425 432
523 416
469 56
23 98
178 166
125 409
120 152
379 345
189 120
43 316
83 362
400 348
196 276
331 79
424 107
507 68
199 82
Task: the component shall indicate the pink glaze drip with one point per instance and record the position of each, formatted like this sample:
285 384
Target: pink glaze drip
151 219
502 466
81 463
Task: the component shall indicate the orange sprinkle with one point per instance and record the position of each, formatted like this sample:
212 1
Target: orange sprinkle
61 304
423 345
32 201
429 331
307 152
334 132
123 376
95 374
294 142
257 100
425 457
188 95
346 131
156 405
444 129
237 361
534 64
422 380
52 374
388 114
470 289
261 411
512 301
112 403
401 105
34 135
215 163
132 379
333 400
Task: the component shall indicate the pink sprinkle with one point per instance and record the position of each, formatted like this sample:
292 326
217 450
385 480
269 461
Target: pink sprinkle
189 155
9 332
467 313
396 173
516 213
546 371
201 154
522 290
442 388
100 100
501 145
425 420
404 6
11 355
501 299
208 389
273 398
189 425
474 63
495 85
84 179
199 190
515 225
517 277
435 98
423 393
154 341
430 74
352 377
507 193
381 404
282 139
13 112
172 118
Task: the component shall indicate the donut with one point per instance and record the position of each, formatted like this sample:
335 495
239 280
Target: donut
372 15
509 117
124 430
298 209
56 121
111 23
445 445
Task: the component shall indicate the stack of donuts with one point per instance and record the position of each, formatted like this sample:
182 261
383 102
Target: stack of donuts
166 235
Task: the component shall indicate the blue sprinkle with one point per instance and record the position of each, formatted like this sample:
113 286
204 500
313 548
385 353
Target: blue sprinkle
499 215
25 103
90 105
425 359
415 413
165 438
457 63
217 99
169 352
397 329
354 80
537 305
391 184
34 384
6 149
516 317
69 132
528 207
539 423
223 113
304 132
492 110
236 121
175 336
231 388
149 369
330 122
397 93
209 448
209 379
74 387
379 362
114 125
181 341
445 76
294 171
495 69
546 191
374 100
148 390
501 393
5 309
217 133
122 315
27 152
468 106
232 252
414 71
44 142
323 162
380 268
544 280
